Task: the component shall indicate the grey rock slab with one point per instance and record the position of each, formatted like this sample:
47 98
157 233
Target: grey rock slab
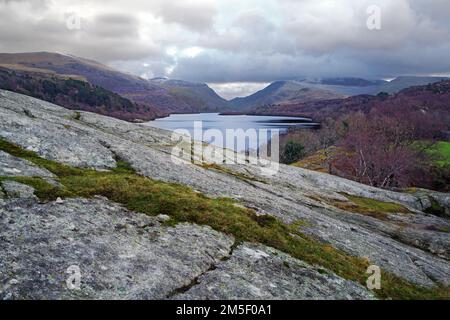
95 141
14 189
51 140
119 254
443 199
260 272
11 166
290 204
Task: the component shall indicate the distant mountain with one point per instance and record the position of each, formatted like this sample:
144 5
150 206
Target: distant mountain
350 82
356 86
170 97
404 82
434 97
161 96
73 94
345 85
194 93
291 91
287 94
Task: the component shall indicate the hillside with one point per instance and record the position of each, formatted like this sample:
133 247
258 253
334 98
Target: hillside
430 97
74 94
196 94
283 92
345 85
404 82
165 99
316 90
106 195
358 86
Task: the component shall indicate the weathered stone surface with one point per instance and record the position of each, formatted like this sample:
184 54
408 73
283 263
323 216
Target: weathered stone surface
54 140
14 189
120 254
11 166
412 246
443 199
260 272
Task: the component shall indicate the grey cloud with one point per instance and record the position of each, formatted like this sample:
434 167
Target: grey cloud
261 68
238 40
195 16
114 26
105 37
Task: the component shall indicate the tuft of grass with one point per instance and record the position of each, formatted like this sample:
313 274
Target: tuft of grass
371 207
77 116
182 204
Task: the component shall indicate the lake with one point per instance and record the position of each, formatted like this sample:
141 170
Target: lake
231 122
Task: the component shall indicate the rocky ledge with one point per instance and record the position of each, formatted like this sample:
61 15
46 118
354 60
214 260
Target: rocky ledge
126 255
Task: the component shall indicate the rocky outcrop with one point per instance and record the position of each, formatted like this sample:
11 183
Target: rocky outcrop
58 141
11 166
14 189
411 245
249 274
119 254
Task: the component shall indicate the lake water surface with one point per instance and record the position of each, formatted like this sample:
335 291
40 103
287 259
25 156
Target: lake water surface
224 122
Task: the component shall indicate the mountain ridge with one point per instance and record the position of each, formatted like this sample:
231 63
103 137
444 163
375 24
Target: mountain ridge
168 98
162 96
434 95
283 91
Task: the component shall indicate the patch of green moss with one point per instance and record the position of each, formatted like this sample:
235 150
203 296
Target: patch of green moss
77 116
182 204
371 207
435 209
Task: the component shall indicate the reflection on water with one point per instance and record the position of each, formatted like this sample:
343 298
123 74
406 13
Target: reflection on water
234 122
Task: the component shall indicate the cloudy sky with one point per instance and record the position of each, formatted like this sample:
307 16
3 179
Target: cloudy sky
237 46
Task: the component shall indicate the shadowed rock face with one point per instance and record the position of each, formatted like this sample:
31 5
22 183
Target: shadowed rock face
407 245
